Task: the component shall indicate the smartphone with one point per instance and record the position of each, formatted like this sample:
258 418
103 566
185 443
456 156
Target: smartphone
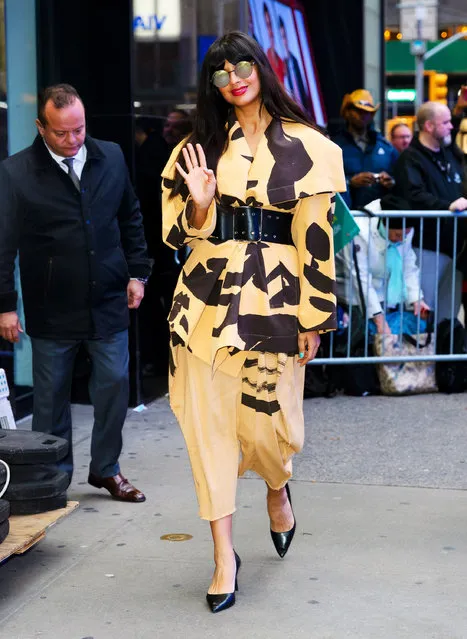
376 176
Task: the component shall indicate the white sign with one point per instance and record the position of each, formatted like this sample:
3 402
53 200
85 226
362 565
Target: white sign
423 14
156 20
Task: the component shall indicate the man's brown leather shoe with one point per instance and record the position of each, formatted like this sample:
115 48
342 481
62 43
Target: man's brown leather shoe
118 486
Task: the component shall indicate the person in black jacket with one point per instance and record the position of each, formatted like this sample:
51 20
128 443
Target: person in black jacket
69 208
429 177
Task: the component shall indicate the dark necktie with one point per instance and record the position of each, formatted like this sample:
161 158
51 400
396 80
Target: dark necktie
71 172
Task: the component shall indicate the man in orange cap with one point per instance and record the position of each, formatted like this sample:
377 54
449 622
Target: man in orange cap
368 157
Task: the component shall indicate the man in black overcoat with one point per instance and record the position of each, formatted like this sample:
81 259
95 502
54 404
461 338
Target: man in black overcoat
68 208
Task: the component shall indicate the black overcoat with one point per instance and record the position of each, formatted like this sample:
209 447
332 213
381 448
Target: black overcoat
77 250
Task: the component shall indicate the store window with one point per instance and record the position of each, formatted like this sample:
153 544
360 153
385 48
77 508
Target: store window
18 96
165 41
3 102
6 349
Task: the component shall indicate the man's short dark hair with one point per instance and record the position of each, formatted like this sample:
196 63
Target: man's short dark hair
396 126
182 112
62 95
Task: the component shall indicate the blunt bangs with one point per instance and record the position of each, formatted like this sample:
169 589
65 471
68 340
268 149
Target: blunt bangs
233 47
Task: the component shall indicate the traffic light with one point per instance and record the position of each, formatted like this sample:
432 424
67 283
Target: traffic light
437 87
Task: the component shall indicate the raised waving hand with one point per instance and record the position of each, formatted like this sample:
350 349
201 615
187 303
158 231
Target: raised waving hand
200 180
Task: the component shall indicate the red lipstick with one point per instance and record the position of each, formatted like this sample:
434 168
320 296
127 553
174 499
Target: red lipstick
239 91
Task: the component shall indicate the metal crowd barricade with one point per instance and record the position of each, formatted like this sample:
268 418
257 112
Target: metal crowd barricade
409 219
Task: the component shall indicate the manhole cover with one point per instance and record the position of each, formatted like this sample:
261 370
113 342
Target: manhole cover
176 537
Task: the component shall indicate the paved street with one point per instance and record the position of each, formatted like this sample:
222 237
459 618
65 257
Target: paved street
380 551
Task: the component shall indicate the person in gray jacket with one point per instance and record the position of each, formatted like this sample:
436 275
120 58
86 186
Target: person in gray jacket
387 267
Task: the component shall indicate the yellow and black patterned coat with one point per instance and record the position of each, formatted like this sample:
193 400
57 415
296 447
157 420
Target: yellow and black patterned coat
256 296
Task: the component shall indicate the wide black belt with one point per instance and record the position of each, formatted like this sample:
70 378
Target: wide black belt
252 224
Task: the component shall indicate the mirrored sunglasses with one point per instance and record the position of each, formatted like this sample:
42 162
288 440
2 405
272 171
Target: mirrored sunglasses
243 70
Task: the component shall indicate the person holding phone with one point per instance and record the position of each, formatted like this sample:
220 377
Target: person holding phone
368 157
251 191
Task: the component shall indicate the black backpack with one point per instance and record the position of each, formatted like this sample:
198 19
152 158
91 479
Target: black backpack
451 377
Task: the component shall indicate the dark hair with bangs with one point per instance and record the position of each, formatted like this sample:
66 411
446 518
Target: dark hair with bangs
212 112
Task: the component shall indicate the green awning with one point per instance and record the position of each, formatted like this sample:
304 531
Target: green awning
452 59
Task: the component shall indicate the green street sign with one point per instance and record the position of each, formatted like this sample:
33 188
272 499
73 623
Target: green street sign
401 95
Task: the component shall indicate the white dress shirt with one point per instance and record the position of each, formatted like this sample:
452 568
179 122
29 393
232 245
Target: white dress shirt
79 160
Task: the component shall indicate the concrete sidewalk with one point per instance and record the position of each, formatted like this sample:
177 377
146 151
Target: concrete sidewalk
380 550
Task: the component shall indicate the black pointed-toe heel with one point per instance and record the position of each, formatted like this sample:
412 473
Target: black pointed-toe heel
217 603
282 540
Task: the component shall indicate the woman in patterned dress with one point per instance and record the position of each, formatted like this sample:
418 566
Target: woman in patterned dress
251 191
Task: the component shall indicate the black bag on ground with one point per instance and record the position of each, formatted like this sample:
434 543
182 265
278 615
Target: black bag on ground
319 380
358 380
352 379
355 379
451 377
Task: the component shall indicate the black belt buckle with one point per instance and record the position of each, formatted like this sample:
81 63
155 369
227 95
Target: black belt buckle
248 224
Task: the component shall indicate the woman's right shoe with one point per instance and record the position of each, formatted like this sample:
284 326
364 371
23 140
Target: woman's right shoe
217 603
282 540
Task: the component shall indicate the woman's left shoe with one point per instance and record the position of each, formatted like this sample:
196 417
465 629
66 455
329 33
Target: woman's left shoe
282 540
217 603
